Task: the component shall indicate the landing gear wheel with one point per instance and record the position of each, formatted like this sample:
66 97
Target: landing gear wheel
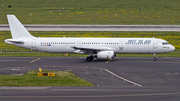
155 59
90 58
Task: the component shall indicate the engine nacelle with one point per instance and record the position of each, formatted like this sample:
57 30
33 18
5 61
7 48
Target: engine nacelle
105 54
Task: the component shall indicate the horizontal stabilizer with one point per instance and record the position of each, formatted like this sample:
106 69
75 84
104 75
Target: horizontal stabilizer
12 41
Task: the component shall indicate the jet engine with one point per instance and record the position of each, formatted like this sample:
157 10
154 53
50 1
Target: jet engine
105 54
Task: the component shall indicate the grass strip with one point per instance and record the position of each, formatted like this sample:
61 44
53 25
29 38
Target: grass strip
92 11
61 78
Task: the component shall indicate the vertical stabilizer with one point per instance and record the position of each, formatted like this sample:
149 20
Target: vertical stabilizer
17 29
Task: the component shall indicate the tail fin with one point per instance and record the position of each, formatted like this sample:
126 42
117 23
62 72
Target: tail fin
17 29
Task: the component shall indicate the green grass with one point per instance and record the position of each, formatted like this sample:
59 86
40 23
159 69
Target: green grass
92 11
61 78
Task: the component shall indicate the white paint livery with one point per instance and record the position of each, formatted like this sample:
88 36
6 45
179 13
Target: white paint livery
105 48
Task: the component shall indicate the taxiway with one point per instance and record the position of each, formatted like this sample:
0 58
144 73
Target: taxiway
124 78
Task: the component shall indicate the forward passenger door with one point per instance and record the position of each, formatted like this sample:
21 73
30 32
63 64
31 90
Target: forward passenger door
155 44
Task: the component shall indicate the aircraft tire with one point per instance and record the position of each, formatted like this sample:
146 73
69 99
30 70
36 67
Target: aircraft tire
155 59
88 59
91 58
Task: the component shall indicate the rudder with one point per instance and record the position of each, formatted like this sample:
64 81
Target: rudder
17 29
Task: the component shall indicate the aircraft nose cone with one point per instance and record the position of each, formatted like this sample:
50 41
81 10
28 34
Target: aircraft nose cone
172 48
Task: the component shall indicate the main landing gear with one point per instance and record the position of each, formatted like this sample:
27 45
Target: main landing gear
155 58
90 58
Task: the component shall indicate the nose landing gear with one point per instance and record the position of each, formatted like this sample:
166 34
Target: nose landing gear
155 58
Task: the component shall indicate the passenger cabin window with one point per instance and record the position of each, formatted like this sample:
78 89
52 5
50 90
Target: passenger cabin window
165 43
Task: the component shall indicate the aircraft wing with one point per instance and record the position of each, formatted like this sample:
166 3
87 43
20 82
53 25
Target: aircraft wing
87 50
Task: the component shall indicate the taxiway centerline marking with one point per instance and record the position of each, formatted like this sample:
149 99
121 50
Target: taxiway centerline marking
108 60
35 60
123 78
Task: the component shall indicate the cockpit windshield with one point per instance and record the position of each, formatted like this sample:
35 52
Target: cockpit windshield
165 43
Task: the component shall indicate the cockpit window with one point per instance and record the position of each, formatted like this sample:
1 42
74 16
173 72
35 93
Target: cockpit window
165 43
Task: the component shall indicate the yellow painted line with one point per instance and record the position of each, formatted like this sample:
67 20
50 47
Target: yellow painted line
108 60
171 62
176 73
123 78
128 95
35 60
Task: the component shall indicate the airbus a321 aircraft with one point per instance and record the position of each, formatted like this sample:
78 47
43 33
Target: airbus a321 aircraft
103 48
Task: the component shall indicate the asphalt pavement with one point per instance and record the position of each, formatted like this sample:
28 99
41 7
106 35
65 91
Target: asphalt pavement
124 78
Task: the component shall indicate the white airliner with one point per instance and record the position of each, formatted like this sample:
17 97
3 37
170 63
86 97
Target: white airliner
104 48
